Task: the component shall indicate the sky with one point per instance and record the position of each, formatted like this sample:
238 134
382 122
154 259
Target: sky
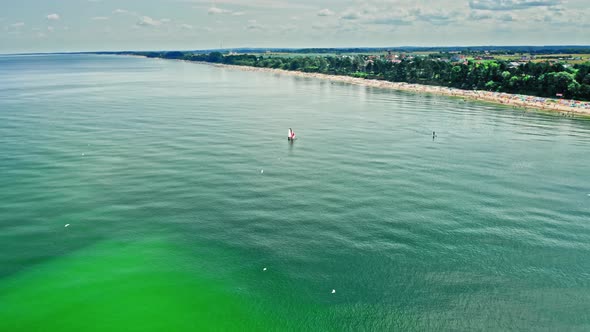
109 25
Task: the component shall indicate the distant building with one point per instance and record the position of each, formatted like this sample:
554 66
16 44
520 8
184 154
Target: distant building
389 56
458 58
515 64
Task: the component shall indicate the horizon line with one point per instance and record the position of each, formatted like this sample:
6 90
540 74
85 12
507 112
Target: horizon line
294 48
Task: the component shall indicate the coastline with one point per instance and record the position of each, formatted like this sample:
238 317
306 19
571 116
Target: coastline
565 107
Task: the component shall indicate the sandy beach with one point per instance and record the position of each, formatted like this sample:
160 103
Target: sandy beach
566 107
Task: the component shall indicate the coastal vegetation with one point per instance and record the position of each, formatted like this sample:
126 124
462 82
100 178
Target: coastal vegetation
536 78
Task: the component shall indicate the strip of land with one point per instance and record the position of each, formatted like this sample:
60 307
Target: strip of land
553 85
563 106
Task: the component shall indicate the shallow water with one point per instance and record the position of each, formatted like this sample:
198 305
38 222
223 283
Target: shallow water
179 187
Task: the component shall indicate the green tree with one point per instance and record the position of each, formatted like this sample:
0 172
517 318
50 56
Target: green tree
216 57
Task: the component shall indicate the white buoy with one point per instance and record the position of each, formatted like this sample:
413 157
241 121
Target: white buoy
264 269
333 291
66 225
261 171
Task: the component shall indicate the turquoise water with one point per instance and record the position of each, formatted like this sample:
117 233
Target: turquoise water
179 188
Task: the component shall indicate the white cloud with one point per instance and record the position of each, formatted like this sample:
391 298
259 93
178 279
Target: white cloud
350 15
186 26
50 29
265 4
325 12
512 4
238 13
100 18
479 16
18 25
53 17
437 16
391 20
506 18
402 13
254 25
165 20
216 10
148 21
400 17
120 11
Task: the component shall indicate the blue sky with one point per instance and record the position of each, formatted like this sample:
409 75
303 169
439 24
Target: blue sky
88 25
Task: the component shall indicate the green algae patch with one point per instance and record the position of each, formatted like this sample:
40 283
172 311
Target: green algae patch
146 286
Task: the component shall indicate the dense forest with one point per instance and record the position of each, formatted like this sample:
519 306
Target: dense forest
542 79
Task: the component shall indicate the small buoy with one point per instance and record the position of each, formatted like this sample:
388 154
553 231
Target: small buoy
333 291
66 225
264 269
261 171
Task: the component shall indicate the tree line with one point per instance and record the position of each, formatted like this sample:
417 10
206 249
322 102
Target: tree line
543 79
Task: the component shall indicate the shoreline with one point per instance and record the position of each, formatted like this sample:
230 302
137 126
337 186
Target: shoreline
564 107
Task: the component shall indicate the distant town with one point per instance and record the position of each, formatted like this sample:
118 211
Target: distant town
515 58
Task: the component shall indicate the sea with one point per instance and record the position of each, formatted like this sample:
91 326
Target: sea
155 195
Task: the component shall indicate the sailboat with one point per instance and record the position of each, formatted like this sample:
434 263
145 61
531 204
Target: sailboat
291 136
